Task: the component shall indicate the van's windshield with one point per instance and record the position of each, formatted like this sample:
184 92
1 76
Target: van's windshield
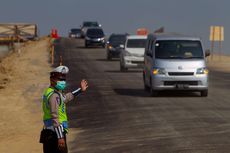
90 24
178 49
95 32
117 39
136 43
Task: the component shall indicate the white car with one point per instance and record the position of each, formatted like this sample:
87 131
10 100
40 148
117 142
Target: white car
132 54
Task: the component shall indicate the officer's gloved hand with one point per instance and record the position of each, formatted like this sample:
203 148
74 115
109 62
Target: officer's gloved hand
84 85
61 144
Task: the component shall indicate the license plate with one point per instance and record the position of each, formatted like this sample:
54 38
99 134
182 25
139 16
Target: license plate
182 86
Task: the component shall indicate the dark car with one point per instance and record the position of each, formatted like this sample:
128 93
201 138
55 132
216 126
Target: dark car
88 24
75 33
94 37
113 45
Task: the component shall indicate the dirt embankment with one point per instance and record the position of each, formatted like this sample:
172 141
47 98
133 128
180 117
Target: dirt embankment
219 63
23 77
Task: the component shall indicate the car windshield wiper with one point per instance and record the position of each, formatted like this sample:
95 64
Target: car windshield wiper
169 57
175 57
191 57
180 57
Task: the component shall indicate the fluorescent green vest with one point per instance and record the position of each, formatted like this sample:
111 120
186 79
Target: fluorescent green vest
62 116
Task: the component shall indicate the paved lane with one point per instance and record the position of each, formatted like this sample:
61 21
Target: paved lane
118 116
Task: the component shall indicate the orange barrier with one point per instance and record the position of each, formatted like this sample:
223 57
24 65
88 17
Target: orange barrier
54 33
142 31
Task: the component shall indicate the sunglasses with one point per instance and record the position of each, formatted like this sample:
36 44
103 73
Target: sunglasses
62 79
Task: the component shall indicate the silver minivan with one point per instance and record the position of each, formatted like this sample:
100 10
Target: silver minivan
175 62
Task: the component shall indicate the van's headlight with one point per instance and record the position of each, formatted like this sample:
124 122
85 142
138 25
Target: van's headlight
202 70
110 47
87 38
126 53
159 71
101 39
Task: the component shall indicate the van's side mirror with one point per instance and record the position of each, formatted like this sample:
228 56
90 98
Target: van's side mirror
149 54
122 46
207 53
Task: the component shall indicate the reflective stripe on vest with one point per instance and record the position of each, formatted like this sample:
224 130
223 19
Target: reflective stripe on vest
62 116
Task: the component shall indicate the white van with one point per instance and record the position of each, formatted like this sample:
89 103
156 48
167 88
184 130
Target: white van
132 54
175 62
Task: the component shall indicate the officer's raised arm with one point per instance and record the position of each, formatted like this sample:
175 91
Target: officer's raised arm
70 95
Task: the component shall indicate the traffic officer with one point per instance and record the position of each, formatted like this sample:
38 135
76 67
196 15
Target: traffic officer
53 135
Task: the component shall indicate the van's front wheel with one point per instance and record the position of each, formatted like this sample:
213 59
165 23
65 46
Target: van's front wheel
204 93
153 93
146 87
86 45
122 68
108 56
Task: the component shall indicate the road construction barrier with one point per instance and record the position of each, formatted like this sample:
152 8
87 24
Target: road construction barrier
142 31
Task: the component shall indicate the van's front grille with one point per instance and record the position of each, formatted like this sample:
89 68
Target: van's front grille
172 83
180 73
138 62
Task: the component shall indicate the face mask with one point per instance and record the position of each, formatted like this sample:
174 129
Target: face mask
61 85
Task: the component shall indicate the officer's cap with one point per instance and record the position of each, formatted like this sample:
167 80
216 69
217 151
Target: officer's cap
59 72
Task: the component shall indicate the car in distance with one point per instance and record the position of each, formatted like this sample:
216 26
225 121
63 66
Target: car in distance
132 54
94 37
175 62
75 33
86 25
113 45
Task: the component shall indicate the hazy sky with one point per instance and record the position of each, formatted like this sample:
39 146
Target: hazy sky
193 17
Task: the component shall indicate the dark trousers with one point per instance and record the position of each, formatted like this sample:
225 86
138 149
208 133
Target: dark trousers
50 142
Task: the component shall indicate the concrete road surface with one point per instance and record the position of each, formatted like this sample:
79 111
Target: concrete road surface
116 115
